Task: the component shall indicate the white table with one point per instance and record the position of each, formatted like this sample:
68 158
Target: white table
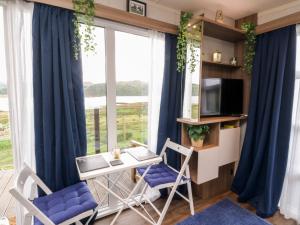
129 162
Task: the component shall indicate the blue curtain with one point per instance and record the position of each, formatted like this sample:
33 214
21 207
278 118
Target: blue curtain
262 166
60 133
171 102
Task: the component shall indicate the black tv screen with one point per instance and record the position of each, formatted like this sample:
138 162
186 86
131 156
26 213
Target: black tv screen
221 97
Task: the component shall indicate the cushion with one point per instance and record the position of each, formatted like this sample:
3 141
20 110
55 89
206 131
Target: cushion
66 203
159 174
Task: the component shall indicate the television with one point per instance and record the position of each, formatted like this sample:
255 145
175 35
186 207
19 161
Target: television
221 97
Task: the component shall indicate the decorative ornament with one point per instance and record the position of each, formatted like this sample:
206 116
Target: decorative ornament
219 16
217 57
233 61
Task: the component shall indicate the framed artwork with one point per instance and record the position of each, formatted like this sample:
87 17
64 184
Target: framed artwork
137 7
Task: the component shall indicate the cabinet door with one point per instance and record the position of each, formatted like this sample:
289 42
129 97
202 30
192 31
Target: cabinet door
229 146
208 166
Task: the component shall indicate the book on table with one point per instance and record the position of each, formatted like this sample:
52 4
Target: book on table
91 163
141 153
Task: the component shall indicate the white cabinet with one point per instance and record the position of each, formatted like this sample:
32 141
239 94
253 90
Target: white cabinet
229 146
208 167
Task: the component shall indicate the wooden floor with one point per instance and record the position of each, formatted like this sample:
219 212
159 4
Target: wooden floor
179 210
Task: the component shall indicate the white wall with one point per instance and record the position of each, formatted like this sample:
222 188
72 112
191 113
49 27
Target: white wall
163 13
154 11
278 12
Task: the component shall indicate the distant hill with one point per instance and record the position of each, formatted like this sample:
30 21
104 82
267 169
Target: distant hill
124 88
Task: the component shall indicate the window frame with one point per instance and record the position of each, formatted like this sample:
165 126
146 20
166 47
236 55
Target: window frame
110 71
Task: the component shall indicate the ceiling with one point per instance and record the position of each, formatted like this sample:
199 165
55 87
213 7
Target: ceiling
232 8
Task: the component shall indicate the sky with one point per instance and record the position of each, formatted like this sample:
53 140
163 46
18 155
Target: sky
132 58
2 53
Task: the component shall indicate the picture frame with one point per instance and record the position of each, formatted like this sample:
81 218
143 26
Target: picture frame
137 7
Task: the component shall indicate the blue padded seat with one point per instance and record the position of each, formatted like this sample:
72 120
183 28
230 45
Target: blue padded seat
159 174
66 203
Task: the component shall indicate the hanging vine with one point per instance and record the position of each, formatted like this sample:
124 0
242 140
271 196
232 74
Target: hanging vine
250 41
182 40
194 56
84 12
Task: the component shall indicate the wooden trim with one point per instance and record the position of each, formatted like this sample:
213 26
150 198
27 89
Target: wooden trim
118 15
197 19
278 23
210 120
217 30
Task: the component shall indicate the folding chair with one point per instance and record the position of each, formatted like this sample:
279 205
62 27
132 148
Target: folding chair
164 176
69 205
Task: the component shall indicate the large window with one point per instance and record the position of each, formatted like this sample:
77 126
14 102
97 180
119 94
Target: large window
116 81
132 77
6 160
94 81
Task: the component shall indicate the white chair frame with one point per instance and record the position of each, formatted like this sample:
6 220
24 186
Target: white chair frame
30 209
184 171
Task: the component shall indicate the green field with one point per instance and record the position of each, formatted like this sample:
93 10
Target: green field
131 125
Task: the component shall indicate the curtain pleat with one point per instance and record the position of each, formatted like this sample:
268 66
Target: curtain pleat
171 102
60 133
262 166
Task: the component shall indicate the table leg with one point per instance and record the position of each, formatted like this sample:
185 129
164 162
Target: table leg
132 192
104 196
125 202
140 198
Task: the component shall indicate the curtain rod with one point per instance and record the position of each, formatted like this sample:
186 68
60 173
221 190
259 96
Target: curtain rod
118 15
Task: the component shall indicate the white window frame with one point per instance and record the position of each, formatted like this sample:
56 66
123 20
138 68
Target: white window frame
111 107
109 32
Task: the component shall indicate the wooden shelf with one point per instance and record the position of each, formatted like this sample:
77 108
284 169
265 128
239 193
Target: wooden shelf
206 62
205 146
210 120
219 30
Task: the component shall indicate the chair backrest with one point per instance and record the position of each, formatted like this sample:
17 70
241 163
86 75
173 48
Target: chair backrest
187 152
176 147
18 193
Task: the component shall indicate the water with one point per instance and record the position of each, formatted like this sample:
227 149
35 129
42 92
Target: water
98 102
91 102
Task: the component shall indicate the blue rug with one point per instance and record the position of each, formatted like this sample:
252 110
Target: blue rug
224 212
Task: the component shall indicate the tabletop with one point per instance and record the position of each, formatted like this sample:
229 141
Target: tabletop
129 162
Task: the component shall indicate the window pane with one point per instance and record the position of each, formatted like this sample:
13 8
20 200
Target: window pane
94 80
6 158
132 77
191 90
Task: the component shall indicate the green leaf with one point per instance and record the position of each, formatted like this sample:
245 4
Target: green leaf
250 42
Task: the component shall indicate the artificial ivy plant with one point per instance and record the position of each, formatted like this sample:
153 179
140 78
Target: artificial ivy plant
194 56
84 12
250 41
182 40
